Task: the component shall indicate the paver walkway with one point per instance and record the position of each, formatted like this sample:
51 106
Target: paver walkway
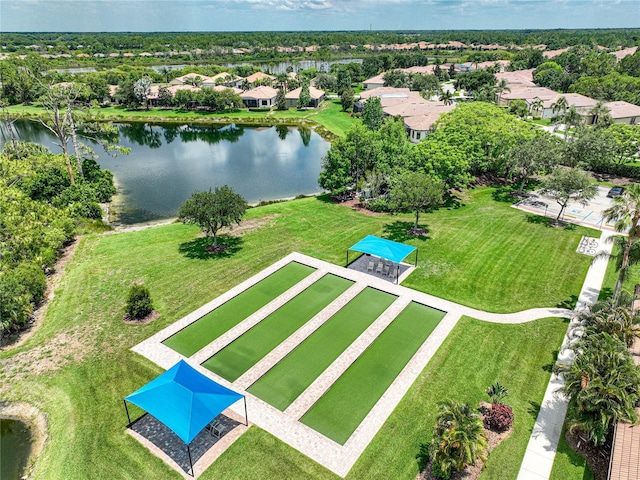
285 425
543 443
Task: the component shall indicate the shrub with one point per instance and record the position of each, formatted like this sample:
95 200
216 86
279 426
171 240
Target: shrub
499 418
497 392
15 307
139 302
380 204
81 200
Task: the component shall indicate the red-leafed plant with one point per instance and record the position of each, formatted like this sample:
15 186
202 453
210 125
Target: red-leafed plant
499 417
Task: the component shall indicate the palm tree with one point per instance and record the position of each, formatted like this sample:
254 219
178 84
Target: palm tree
602 384
537 106
601 114
447 97
501 87
625 212
560 106
571 118
612 316
458 437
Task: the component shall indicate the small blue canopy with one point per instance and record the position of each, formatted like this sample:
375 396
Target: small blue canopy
381 247
184 400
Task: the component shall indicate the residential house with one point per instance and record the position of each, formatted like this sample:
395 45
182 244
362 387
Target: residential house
374 82
531 95
624 112
418 115
260 97
260 77
317 97
517 78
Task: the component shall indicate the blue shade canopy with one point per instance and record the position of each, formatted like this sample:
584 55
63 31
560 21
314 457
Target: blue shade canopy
184 400
380 247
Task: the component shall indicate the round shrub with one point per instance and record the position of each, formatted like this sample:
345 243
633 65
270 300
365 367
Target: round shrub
499 418
138 302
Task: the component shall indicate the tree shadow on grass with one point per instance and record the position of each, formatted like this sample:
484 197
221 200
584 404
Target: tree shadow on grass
196 247
539 220
549 366
423 456
534 409
397 231
569 303
452 202
506 194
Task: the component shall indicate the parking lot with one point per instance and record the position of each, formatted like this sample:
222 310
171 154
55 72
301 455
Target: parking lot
588 216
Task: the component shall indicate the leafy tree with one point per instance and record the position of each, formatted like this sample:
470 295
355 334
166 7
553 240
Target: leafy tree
602 384
447 97
343 82
626 142
566 184
601 115
534 156
426 84
519 108
560 106
326 82
281 100
396 79
571 119
435 157
165 98
458 438
625 212
305 97
592 149
142 90
475 80
346 99
372 116
213 210
416 192
138 302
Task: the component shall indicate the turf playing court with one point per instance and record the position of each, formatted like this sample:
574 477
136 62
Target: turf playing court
323 353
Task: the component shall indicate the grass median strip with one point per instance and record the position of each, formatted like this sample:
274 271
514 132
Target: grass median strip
281 385
341 409
248 349
203 331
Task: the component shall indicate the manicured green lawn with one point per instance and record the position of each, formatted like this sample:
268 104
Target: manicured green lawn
77 366
568 464
341 409
248 349
203 331
281 385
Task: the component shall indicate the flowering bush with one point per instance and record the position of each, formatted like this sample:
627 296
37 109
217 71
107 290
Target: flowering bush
499 417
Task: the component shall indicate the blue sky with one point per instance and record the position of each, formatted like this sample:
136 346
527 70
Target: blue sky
250 15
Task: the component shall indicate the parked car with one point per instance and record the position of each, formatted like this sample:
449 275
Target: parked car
615 191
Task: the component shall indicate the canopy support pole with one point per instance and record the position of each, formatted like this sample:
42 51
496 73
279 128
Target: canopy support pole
193 474
246 417
127 410
347 265
415 264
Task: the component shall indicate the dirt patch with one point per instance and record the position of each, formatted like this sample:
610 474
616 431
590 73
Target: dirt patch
359 207
136 228
62 349
16 339
248 226
596 457
417 232
141 321
35 419
615 179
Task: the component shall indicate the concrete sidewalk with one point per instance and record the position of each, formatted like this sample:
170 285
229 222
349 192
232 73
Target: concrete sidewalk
543 443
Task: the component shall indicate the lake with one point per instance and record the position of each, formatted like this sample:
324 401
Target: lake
169 162
15 447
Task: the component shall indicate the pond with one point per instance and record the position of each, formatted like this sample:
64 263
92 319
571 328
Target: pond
169 162
15 447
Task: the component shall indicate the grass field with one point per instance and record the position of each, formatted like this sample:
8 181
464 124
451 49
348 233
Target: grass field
248 349
282 384
77 366
341 409
203 331
329 115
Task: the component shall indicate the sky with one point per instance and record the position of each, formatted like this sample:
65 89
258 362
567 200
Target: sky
271 15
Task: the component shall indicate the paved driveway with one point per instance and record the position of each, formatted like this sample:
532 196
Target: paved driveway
589 216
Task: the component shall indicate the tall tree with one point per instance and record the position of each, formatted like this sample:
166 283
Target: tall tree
213 210
305 97
560 106
142 89
281 100
346 99
566 184
447 97
601 115
534 156
416 192
625 212
537 107
372 116
501 87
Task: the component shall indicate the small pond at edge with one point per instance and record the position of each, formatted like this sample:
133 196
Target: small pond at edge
15 447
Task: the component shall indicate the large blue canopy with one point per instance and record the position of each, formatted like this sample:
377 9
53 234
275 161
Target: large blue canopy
184 400
380 247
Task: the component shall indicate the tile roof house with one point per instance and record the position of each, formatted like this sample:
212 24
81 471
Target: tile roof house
624 112
418 115
517 78
260 97
317 97
259 77
374 82
530 95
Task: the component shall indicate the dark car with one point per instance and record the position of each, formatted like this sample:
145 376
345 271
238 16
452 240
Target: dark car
615 191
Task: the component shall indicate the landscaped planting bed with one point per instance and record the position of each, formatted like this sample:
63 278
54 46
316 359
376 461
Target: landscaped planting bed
348 401
248 349
203 331
281 385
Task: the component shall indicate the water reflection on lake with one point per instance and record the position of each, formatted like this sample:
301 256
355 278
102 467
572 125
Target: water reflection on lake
168 162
